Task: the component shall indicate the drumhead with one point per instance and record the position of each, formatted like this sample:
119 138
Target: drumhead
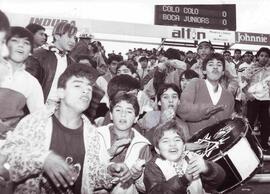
220 137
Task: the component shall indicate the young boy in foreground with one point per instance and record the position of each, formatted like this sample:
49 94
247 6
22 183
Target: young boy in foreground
175 170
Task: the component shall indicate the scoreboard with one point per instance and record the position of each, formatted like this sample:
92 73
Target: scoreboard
220 17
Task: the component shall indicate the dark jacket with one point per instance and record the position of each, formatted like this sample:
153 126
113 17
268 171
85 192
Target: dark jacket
42 65
45 71
155 181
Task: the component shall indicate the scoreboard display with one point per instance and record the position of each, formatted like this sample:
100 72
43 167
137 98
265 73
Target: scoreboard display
220 17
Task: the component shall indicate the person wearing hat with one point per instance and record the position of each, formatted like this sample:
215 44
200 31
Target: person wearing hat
82 46
53 61
204 48
190 60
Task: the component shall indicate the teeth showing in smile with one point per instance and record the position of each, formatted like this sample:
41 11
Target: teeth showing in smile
174 150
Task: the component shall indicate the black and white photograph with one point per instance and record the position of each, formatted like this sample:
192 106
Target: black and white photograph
134 97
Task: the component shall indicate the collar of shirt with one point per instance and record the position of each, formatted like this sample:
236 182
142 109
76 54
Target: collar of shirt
215 96
7 73
57 51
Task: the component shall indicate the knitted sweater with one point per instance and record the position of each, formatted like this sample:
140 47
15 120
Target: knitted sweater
195 100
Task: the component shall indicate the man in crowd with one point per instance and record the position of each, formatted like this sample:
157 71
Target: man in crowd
38 33
53 61
57 150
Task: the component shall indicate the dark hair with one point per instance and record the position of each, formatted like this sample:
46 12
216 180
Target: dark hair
263 49
21 32
189 52
172 53
122 83
64 27
164 87
4 22
128 64
87 57
182 53
170 125
237 50
159 78
34 27
114 58
213 56
77 70
189 74
248 53
143 59
129 98
226 51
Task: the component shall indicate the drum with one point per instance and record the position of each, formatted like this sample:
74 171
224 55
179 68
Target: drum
231 144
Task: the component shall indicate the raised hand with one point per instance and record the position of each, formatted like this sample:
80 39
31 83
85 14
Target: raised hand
196 166
120 171
167 115
137 169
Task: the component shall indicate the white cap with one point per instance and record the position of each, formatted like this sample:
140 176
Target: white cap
85 33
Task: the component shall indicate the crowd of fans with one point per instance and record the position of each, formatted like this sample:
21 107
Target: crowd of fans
75 119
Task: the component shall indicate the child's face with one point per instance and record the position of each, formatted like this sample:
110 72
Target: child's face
124 70
214 70
263 58
77 94
203 50
170 146
19 49
169 100
123 115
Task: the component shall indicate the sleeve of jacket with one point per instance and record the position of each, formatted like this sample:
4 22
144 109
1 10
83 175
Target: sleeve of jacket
33 66
24 156
188 110
146 155
155 182
214 177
